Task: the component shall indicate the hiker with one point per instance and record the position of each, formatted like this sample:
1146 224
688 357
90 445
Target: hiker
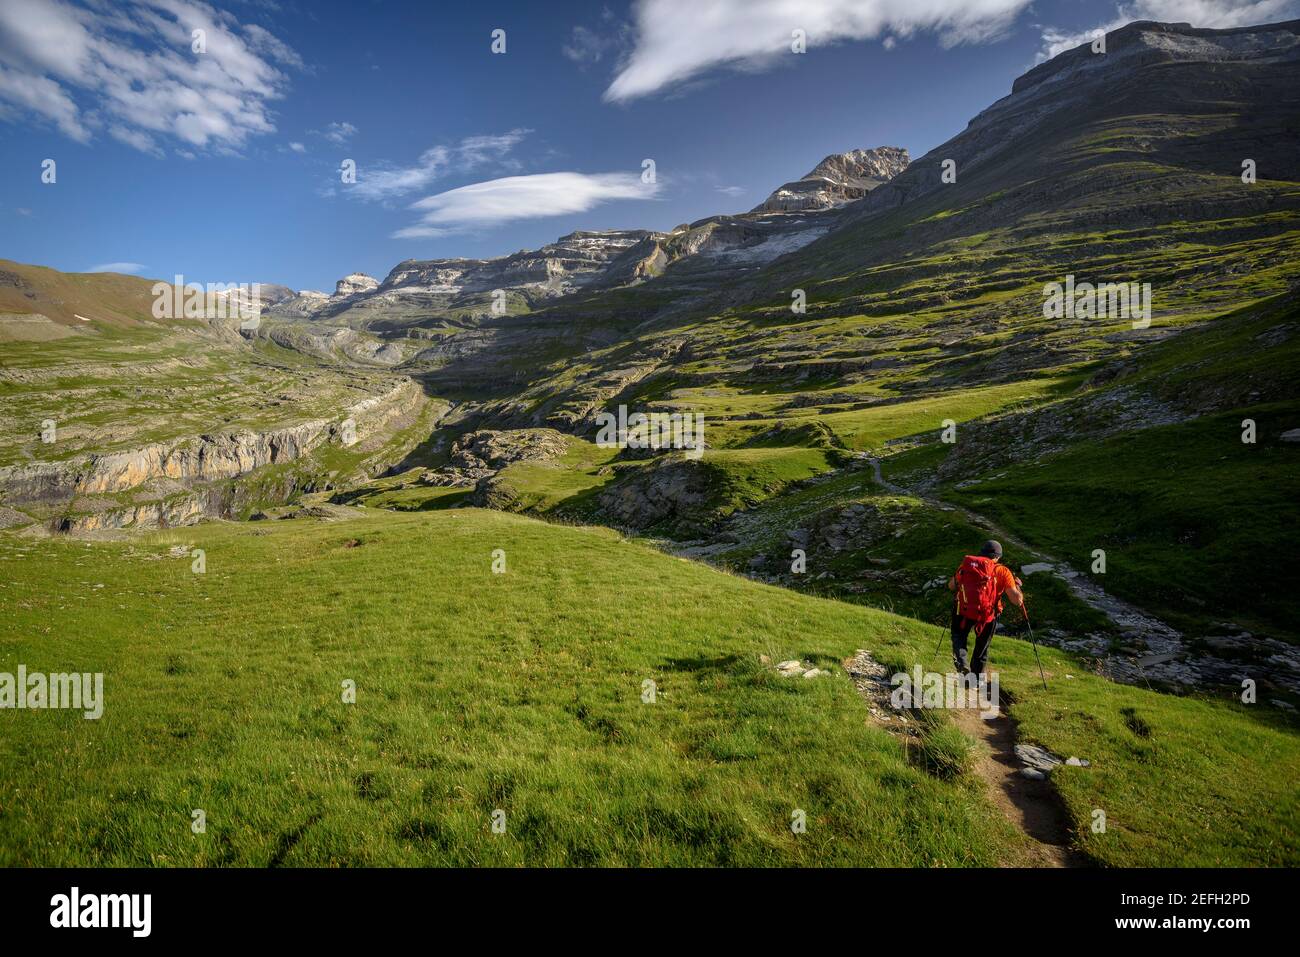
980 583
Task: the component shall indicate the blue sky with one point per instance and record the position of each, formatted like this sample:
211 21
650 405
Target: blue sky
223 165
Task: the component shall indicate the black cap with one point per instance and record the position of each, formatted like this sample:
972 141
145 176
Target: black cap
991 549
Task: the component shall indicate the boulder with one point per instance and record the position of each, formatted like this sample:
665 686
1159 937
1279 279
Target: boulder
1036 757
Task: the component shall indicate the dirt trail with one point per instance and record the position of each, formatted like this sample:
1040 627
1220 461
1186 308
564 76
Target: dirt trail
1032 806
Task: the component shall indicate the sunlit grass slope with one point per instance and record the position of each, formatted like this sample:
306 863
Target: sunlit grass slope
523 692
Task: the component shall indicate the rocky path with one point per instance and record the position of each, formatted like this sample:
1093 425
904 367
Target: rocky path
1030 804
1169 657
1027 800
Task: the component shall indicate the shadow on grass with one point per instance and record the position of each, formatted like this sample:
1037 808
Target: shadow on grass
700 663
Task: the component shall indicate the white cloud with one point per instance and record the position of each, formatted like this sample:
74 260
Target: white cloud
261 41
297 147
129 268
1215 14
141 141
386 181
476 150
130 68
680 39
522 197
41 95
383 181
732 190
340 133
420 232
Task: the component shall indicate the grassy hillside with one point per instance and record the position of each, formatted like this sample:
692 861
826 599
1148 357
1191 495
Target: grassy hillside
1148 463
1191 530
1139 455
72 300
522 692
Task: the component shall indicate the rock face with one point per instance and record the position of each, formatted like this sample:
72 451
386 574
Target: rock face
309 303
306 303
335 342
838 179
617 257
354 283
478 458
183 510
1078 80
670 489
271 293
1146 41
571 261
577 413
202 458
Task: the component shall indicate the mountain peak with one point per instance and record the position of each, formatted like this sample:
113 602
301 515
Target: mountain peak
354 283
1145 41
838 179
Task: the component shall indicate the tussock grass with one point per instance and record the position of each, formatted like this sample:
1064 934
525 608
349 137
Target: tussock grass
947 752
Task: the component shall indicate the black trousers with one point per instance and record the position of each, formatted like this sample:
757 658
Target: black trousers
961 628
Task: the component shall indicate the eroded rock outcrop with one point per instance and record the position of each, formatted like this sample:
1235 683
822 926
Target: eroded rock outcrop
573 260
495 450
671 489
478 456
176 512
202 458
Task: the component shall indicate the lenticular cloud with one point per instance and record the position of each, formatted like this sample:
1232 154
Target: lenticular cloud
680 39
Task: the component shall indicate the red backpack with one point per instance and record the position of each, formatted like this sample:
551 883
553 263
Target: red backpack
977 589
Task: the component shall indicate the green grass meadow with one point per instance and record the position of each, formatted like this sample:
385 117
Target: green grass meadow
523 692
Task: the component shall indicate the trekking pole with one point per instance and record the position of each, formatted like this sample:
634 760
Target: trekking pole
939 647
1025 611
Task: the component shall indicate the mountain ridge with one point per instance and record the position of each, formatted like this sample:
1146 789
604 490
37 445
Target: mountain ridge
794 213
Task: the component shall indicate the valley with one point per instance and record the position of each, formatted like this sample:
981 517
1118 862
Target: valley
883 384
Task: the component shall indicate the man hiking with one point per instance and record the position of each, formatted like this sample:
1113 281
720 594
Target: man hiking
980 583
